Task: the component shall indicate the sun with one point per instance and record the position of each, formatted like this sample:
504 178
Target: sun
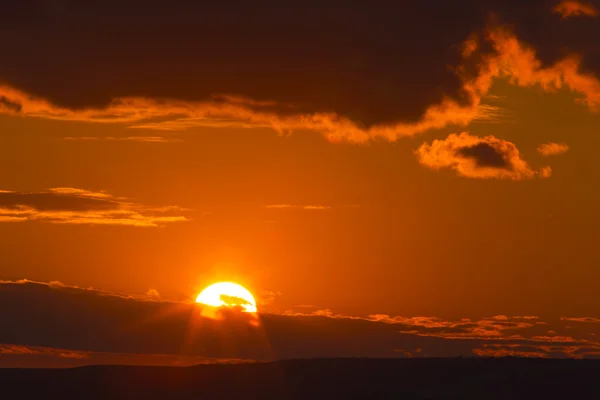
227 294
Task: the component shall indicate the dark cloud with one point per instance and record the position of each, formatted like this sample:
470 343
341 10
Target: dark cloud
485 155
574 8
83 320
369 64
10 105
360 61
17 356
49 201
359 73
530 22
233 300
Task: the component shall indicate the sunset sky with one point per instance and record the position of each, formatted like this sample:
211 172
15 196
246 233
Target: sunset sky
419 177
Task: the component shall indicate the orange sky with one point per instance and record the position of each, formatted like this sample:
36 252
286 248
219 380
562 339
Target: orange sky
343 180
367 228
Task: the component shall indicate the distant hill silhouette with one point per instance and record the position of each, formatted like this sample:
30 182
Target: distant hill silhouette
469 378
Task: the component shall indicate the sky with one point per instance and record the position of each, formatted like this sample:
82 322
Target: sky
390 180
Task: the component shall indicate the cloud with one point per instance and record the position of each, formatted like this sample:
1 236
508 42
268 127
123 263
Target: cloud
574 8
551 149
171 71
8 349
348 90
17 356
581 319
499 53
86 320
132 111
153 294
13 349
268 297
352 93
476 157
150 295
509 350
308 207
9 105
77 192
509 58
484 328
140 139
80 206
94 321
315 207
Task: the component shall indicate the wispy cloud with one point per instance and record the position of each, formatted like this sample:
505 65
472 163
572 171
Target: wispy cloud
495 336
509 350
20 355
141 139
551 149
80 206
314 207
8 349
581 319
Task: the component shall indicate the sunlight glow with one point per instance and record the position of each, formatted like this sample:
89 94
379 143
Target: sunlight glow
227 294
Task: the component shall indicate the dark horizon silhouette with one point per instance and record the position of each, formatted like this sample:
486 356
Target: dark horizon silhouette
450 378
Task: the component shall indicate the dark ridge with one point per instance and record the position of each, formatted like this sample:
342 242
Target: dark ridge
458 378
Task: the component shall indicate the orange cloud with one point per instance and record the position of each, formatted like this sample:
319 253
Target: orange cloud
427 322
297 207
516 61
16 349
140 139
551 149
153 294
19 350
581 319
509 351
465 328
484 328
80 206
477 157
77 357
313 207
77 192
574 8
177 115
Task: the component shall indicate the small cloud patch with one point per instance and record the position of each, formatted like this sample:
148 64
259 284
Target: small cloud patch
552 149
478 157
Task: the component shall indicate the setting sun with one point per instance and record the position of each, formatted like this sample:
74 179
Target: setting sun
227 294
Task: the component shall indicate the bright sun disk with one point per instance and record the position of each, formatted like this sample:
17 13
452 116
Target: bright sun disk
227 294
